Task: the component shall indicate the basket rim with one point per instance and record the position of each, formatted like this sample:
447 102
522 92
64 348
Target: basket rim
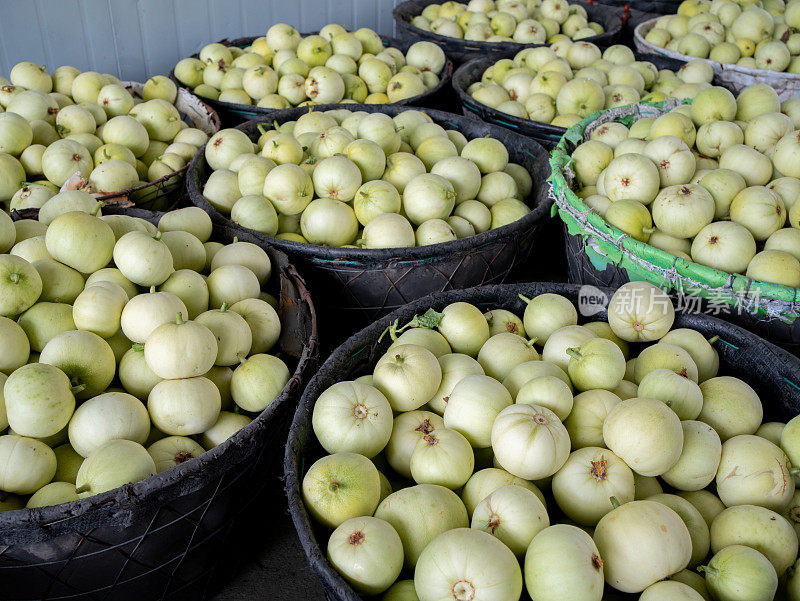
640 32
400 16
560 160
137 491
135 87
469 69
304 525
356 256
255 112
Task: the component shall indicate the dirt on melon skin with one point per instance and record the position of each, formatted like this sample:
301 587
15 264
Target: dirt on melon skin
698 529
753 471
642 542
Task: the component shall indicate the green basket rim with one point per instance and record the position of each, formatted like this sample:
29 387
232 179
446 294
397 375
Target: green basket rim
708 277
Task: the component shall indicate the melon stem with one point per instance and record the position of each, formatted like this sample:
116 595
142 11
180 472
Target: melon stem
525 298
179 318
84 488
575 353
614 502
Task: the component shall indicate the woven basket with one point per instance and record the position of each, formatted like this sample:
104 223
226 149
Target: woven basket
164 192
360 285
601 254
773 372
234 114
735 77
460 51
162 538
545 134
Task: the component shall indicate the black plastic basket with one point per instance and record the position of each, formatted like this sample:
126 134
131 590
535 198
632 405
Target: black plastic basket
461 51
547 135
233 114
772 372
360 285
659 7
163 537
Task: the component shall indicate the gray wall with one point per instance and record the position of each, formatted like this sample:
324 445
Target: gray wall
135 39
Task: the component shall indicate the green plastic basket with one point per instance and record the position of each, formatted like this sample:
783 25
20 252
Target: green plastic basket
606 255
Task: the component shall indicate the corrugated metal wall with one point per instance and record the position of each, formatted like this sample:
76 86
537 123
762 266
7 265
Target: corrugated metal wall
134 39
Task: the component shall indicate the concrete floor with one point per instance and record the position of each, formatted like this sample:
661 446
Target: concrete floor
275 569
